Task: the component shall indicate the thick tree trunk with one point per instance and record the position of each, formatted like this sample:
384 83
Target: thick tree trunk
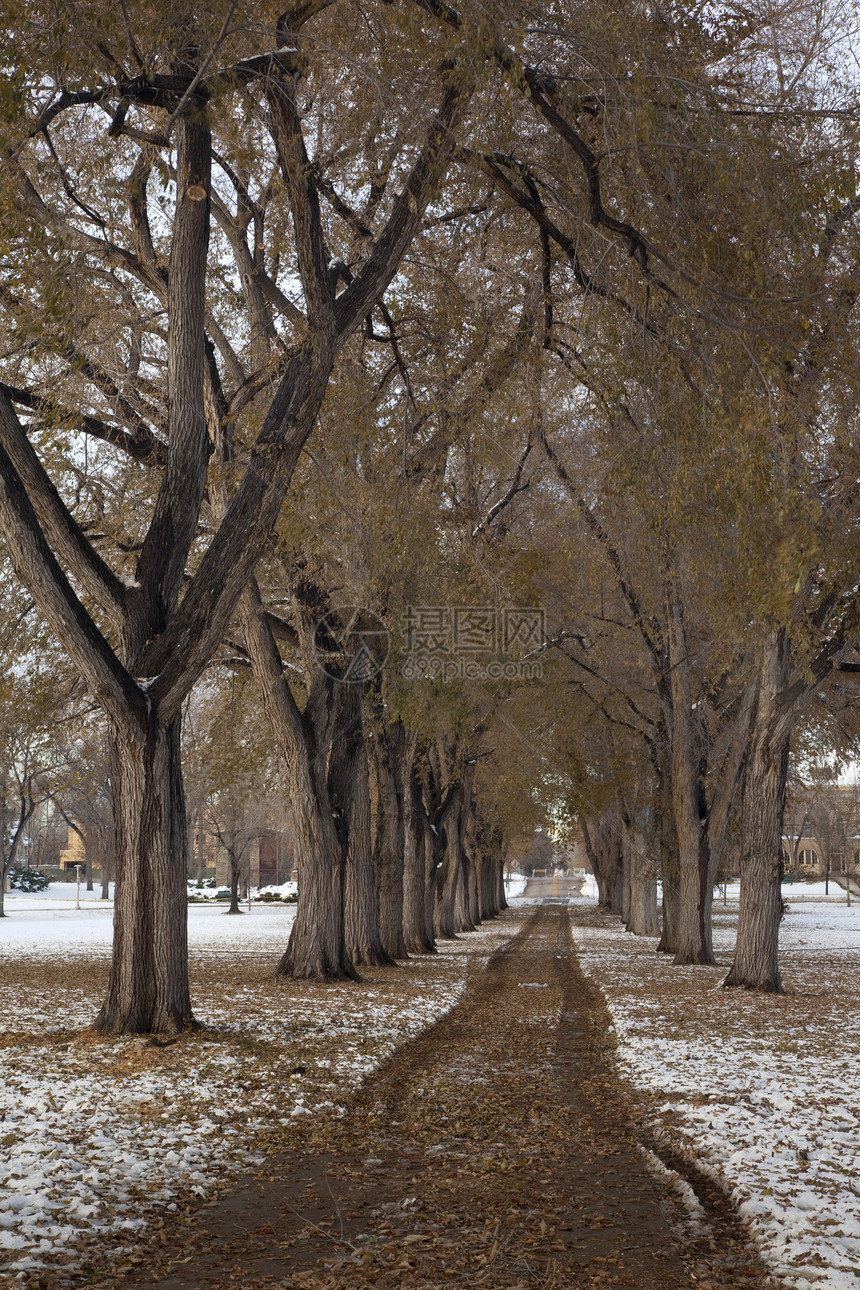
603 846
668 943
470 871
638 842
667 852
447 875
756 960
693 933
148 988
501 898
642 898
350 794
463 920
317 947
235 879
388 848
417 926
434 860
693 938
487 864
614 867
452 908
625 870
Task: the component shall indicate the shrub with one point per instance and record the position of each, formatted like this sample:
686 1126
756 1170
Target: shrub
28 880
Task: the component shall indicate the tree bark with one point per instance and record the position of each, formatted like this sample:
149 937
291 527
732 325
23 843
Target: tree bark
463 920
638 843
693 932
448 870
602 838
625 854
501 898
235 879
317 947
389 844
452 914
148 987
470 870
756 959
349 790
417 910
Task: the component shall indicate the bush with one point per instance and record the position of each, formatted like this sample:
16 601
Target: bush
28 880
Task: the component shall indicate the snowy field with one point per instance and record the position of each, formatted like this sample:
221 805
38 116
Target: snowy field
102 1138
759 1092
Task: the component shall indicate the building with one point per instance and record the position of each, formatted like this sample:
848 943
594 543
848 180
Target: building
808 855
75 851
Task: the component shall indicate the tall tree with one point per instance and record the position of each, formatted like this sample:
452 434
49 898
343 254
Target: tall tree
111 286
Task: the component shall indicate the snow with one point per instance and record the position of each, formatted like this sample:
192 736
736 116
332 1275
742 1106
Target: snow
515 886
56 894
758 1092
99 1136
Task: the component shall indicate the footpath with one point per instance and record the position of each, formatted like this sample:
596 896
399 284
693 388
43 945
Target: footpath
497 1150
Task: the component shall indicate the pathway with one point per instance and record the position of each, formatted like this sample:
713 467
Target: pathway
495 1151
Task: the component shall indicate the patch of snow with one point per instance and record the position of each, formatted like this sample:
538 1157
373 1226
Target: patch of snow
758 1090
99 1135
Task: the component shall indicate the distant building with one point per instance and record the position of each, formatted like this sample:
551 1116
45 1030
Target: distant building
74 852
814 858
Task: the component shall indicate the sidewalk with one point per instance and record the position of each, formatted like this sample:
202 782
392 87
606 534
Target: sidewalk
495 1151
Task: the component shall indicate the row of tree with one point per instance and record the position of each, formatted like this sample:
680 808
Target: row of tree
437 311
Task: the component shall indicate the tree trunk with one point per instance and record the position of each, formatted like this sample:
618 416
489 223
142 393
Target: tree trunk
452 912
148 988
389 745
317 947
235 879
447 873
417 927
693 932
434 862
625 870
603 847
756 960
501 898
667 852
463 921
642 912
668 943
470 871
487 864
349 789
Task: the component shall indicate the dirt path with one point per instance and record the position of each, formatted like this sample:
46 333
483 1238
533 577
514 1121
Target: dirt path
496 1151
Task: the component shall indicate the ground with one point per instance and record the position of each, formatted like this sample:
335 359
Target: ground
503 1147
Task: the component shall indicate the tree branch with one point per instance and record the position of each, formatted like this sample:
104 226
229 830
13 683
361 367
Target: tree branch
56 520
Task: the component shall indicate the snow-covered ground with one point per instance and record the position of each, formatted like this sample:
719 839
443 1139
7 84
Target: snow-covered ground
759 1092
99 1136
515 886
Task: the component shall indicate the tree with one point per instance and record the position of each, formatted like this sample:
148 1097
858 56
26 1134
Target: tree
90 357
